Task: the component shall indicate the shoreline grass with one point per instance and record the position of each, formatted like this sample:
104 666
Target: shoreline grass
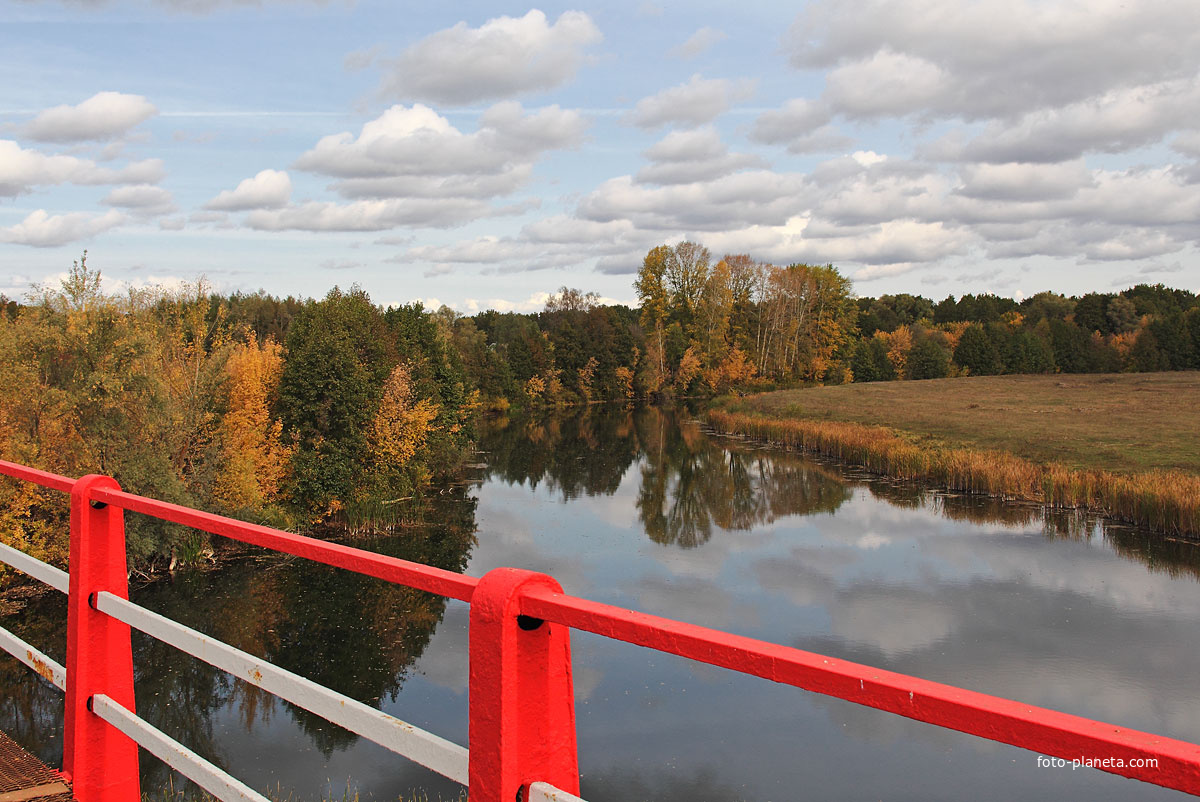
1165 500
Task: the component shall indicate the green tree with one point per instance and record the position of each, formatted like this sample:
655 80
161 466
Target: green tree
1029 353
928 360
1072 347
1146 356
339 353
1091 312
870 362
977 352
1171 333
1122 315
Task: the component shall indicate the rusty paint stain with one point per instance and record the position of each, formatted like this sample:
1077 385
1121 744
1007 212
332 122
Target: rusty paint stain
40 666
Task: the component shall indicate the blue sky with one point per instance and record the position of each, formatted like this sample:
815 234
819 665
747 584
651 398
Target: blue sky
483 155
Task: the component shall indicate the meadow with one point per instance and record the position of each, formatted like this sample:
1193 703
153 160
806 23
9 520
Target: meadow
1125 445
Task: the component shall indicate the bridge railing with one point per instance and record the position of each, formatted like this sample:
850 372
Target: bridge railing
521 737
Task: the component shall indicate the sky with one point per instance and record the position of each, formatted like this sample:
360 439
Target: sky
484 155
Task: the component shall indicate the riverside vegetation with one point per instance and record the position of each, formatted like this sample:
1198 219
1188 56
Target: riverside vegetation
1121 445
304 413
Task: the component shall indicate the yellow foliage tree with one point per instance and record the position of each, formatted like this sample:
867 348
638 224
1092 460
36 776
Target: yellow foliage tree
899 343
735 369
689 368
254 458
587 375
534 388
402 424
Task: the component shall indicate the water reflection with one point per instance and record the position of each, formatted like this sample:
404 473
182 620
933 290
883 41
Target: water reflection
357 635
31 709
689 484
643 508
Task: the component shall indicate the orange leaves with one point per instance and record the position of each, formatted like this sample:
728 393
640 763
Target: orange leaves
735 370
402 424
899 343
254 459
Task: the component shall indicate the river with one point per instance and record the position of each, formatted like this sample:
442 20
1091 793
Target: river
646 509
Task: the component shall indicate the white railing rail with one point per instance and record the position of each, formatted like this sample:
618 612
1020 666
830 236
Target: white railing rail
446 758
216 781
429 750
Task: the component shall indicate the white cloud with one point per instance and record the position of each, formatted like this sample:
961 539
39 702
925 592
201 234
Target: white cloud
504 57
698 43
22 169
1114 122
369 215
868 157
752 197
683 157
1024 182
43 230
269 189
142 199
886 84
105 115
411 167
798 118
553 242
896 242
1188 143
994 58
534 303
699 101
418 143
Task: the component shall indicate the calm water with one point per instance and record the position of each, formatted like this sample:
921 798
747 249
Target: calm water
644 509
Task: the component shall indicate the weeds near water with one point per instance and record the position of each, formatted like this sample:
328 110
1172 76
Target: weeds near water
1167 501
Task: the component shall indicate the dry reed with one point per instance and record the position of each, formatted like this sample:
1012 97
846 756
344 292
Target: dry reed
1167 501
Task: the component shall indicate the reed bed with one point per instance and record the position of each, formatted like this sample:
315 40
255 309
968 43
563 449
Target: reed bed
1166 501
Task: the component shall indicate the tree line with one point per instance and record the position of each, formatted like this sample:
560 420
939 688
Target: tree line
738 323
299 412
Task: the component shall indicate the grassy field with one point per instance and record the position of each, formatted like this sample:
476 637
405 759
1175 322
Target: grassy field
1124 423
1123 445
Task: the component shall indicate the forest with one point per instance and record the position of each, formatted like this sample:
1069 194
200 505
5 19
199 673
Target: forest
302 413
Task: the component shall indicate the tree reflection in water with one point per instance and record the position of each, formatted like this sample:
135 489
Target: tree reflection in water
352 633
361 636
690 483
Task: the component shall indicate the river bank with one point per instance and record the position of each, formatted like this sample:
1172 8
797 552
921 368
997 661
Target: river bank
1122 446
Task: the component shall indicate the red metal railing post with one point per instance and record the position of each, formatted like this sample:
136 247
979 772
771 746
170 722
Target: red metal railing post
522 705
101 762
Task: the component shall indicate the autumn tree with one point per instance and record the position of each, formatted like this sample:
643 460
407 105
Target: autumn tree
655 304
686 274
399 431
253 460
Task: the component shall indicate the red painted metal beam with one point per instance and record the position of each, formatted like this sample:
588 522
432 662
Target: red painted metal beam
1038 729
101 762
43 478
392 569
522 706
497 637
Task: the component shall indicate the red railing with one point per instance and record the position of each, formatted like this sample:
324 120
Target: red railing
521 705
